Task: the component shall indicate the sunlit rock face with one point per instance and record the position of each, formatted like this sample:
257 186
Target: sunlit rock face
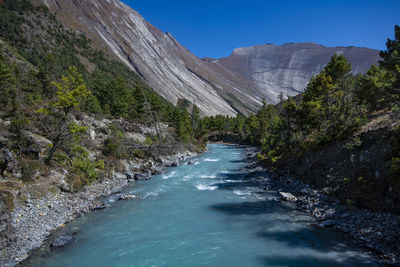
288 68
236 84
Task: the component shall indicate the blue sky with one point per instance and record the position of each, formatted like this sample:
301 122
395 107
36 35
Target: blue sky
214 28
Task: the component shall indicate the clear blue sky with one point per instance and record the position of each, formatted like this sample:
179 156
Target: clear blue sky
214 28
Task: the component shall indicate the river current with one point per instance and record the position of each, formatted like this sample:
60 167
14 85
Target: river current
210 212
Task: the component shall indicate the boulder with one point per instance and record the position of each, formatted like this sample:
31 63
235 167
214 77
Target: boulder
129 175
157 169
99 206
142 176
175 164
128 197
61 241
287 196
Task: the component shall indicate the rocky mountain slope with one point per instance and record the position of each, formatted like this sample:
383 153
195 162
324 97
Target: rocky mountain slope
287 68
236 84
156 56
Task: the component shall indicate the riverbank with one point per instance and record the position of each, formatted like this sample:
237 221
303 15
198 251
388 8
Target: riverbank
377 231
34 221
205 212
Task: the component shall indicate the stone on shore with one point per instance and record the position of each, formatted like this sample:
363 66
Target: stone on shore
287 196
61 241
142 176
128 197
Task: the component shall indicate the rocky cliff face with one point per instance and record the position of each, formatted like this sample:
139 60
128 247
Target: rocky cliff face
226 86
288 68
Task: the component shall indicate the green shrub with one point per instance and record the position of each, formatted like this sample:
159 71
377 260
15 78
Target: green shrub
84 171
28 169
354 143
61 157
148 141
138 153
114 146
350 202
99 164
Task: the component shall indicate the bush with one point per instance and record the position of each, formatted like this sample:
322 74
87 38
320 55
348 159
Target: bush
353 143
61 158
113 146
138 153
29 168
84 172
148 141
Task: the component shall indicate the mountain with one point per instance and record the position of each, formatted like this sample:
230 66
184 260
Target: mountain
236 84
166 65
287 68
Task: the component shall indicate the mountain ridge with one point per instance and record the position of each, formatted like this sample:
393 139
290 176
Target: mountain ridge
224 86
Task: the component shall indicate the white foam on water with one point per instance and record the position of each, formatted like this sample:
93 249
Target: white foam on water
203 187
241 193
208 176
112 199
233 181
187 177
196 163
224 171
151 194
211 159
167 176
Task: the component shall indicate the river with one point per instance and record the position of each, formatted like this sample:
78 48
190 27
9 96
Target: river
207 213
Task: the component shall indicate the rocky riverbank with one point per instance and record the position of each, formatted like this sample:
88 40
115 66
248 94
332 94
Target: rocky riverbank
376 231
34 220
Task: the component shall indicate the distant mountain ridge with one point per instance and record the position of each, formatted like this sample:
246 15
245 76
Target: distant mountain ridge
287 68
231 85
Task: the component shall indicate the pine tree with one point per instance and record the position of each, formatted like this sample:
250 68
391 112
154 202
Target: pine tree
391 61
7 85
337 68
70 95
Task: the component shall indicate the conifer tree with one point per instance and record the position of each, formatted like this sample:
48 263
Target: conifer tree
7 85
70 95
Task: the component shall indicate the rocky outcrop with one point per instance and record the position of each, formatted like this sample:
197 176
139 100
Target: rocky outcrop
236 84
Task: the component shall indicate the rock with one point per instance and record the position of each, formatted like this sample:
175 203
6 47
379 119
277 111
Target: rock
61 241
99 206
328 223
287 196
142 176
175 164
128 197
352 158
157 169
129 175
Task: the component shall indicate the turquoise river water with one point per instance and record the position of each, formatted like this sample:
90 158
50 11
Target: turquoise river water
207 213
